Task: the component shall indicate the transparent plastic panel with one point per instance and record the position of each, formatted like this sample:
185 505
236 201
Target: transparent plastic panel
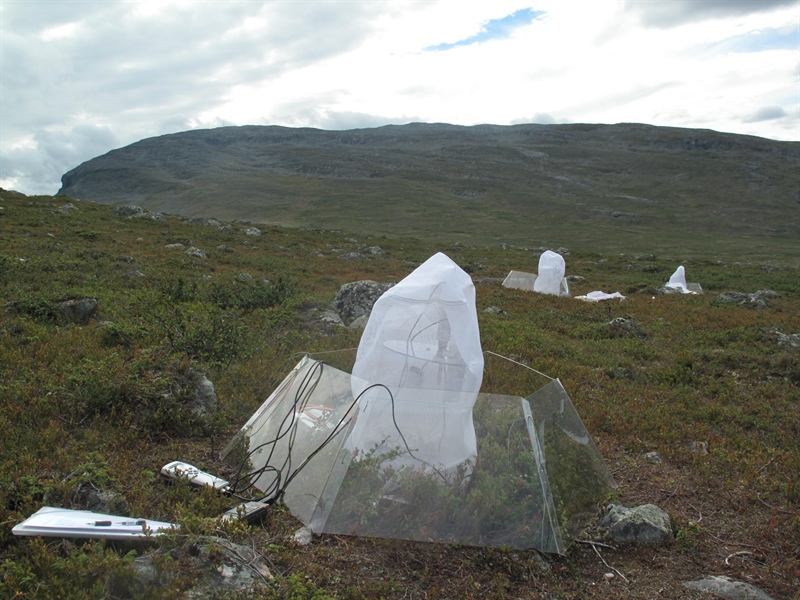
498 501
287 439
533 481
579 479
518 280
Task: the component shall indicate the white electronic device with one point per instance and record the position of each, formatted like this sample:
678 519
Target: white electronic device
51 521
181 470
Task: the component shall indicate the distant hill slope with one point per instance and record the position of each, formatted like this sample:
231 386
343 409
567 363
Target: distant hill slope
625 187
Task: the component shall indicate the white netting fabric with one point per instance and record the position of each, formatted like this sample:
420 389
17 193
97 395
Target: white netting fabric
678 280
422 343
551 273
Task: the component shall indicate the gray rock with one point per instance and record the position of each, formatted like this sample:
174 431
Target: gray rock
128 210
622 327
618 373
785 340
303 536
376 251
359 322
653 457
754 301
357 298
205 221
328 317
205 400
78 310
472 267
196 252
255 231
107 502
66 208
666 291
698 447
353 256
175 246
646 524
725 587
219 567
494 310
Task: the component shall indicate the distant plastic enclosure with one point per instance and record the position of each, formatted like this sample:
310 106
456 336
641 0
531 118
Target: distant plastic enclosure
549 280
677 281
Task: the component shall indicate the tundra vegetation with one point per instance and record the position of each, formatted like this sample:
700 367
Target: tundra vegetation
105 404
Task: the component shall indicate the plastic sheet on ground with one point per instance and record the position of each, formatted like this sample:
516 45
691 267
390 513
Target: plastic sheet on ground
600 296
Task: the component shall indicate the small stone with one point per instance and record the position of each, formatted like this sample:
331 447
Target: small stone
303 536
653 457
699 447
196 252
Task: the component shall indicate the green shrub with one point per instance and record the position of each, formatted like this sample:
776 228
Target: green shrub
249 296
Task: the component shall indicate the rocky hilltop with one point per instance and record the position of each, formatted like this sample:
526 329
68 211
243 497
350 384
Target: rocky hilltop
584 185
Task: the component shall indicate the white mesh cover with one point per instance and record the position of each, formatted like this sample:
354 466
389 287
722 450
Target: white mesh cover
551 273
678 280
422 343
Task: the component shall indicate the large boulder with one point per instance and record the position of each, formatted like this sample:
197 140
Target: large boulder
624 327
205 397
357 298
643 524
211 566
129 210
78 310
755 300
88 497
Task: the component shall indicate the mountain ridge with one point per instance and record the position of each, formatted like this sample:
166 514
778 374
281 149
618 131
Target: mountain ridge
616 187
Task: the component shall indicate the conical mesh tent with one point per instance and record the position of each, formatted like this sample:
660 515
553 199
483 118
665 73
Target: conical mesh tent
536 480
677 281
422 334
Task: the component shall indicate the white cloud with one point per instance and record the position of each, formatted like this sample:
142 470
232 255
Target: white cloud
766 113
669 13
81 78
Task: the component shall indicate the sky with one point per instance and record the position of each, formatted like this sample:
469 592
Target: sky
81 78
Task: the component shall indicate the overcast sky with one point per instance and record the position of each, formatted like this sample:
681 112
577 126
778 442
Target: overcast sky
80 78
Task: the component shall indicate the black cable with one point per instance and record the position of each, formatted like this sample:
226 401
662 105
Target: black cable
284 473
306 387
